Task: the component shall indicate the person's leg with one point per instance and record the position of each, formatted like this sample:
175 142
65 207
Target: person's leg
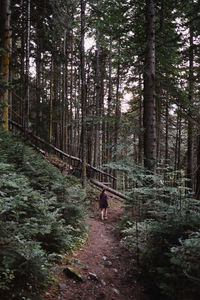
105 213
102 213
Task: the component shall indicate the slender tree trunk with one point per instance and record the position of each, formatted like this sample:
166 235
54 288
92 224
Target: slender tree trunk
198 169
140 142
108 127
64 96
22 64
149 90
38 81
27 94
189 172
166 134
78 116
178 146
98 104
51 105
158 119
55 103
166 158
117 119
70 127
11 70
102 67
5 57
83 95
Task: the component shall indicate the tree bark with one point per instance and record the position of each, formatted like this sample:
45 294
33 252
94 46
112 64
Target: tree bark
140 138
98 100
51 105
5 57
149 120
189 172
178 146
108 125
102 68
166 134
83 95
117 118
198 169
64 95
27 95
38 108
158 118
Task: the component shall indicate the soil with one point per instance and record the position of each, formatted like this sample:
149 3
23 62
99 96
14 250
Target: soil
103 263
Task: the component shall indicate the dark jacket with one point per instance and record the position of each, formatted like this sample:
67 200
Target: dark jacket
103 200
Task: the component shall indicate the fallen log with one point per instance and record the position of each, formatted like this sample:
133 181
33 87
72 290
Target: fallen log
61 152
110 190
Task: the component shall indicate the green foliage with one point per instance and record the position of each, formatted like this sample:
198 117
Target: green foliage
162 233
39 219
186 257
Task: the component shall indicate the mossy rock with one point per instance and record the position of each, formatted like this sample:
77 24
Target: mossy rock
77 264
73 274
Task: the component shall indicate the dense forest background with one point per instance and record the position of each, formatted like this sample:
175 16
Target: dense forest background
72 61
116 83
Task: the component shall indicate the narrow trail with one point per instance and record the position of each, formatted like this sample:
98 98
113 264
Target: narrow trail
103 263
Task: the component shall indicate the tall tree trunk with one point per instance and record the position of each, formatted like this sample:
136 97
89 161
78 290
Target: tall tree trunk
55 106
11 72
166 134
64 96
70 127
102 69
189 172
51 105
108 127
22 63
83 95
149 90
4 59
198 169
98 103
140 142
158 118
38 81
27 95
178 146
117 119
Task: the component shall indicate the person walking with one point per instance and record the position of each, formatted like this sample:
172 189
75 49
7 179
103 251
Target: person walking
103 204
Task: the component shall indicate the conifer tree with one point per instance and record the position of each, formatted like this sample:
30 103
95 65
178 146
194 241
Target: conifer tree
4 57
149 89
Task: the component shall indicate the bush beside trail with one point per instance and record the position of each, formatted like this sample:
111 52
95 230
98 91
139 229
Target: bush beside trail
162 231
42 217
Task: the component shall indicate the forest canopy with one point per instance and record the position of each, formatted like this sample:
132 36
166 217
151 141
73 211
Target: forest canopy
73 93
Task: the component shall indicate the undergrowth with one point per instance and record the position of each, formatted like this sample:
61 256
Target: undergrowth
42 217
162 231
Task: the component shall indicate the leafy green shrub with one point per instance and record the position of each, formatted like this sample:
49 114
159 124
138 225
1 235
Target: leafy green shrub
73 214
35 225
167 251
13 154
186 258
23 268
41 174
162 233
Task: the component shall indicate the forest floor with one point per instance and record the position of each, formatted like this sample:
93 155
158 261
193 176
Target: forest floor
103 263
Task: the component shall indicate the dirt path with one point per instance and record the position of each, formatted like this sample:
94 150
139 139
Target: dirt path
103 264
